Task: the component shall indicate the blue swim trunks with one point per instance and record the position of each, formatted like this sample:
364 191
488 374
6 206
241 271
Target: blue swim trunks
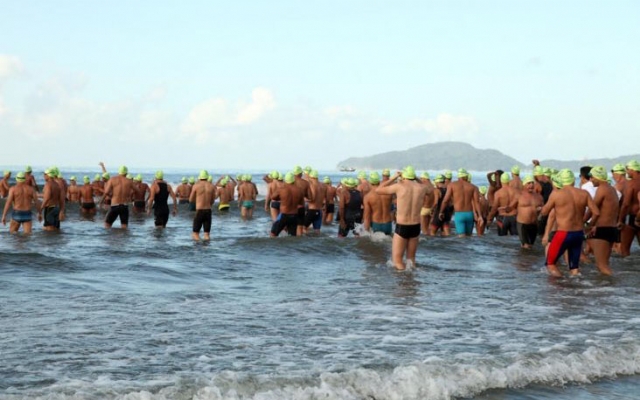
21 216
464 222
385 228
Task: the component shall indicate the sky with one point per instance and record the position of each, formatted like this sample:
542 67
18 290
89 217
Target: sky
273 84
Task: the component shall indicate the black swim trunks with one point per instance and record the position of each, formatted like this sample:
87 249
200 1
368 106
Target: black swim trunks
632 222
331 208
408 231
51 216
122 211
139 204
288 221
527 233
88 206
507 225
300 216
607 233
275 204
161 216
202 220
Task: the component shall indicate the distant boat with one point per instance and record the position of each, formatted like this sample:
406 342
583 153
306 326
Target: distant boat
347 169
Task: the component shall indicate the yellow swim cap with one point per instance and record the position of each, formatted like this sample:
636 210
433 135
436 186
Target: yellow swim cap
425 175
448 174
106 175
289 178
633 165
527 179
73 178
462 173
409 173
123 170
619 169
138 178
386 172
204 175
86 179
538 171
97 177
439 178
313 174
600 173
504 178
297 170
566 177
555 180
28 168
374 178
20 177
159 175
482 190
327 180
515 170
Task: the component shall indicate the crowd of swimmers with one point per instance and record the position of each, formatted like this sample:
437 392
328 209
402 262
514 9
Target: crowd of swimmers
600 216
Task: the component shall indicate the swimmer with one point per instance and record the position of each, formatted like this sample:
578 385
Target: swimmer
159 193
377 209
247 194
363 186
410 196
441 209
603 234
85 198
272 206
506 217
120 190
330 201
183 191
304 187
4 184
630 208
29 178
464 196
21 198
570 204
427 204
318 192
349 207
203 194
53 202
140 191
483 210
516 182
73 190
527 204
290 197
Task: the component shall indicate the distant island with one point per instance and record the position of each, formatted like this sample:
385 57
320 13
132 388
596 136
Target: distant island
453 155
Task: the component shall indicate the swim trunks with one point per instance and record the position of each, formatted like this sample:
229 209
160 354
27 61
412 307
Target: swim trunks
52 216
385 228
607 233
122 211
21 216
632 222
507 225
202 220
223 207
192 206
527 233
247 204
425 212
542 225
288 221
313 217
183 201
88 206
275 204
408 231
161 214
300 216
570 242
464 222
331 208
139 204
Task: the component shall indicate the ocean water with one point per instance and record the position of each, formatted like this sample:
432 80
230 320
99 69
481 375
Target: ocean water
90 313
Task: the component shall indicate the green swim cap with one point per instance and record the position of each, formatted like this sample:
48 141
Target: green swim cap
553 171
248 178
527 179
327 180
409 172
273 174
425 175
633 165
123 170
239 177
73 178
313 174
280 176
86 179
619 169
462 173
192 180
374 178
447 174
20 177
210 178
515 170
566 177
289 178
439 178
28 169
504 178
183 179
538 171
386 172
224 182
297 170
129 176
307 169
600 173
482 190
97 177
203 175
106 175
138 178
353 182
555 180
159 175
362 175
548 172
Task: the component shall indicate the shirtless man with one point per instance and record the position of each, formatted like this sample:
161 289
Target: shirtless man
464 197
318 193
29 178
247 194
4 184
203 194
494 184
410 197
183 191
349 207
85 198
377 208
21 198
570 204
330 201
290 197
602 235
527 204
304 187
630 208
516 182
427 205
439 209
53 202
506 216
363 186
272 206
226 195
159 193
73 190
98 185
120 189
140 190
483 210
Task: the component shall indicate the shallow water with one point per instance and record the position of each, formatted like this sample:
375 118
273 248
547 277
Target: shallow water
91 313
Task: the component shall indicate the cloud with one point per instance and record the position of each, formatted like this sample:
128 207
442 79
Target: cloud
10 66
444 127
